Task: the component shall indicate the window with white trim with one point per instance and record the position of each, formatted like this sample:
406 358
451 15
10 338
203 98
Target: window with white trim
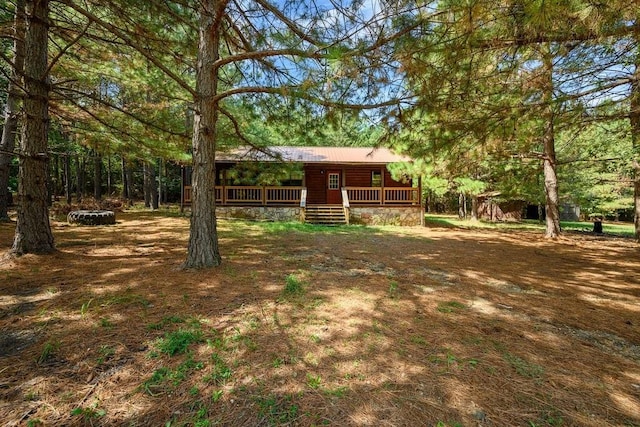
334 181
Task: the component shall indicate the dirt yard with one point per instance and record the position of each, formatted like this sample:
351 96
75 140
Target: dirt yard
314 326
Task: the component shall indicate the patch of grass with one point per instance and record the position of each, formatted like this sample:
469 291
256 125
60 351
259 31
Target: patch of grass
220 371
167 320
201 416
523 367
164 377
277 362
158 377
31 396
278 227
314 381
450 306
216 395
550 418
615 229
189 365
447 358
293 287
89 413
277 411
219 342
340 391
105 352
451 221
105 323
48 352
177 342
448 424
393 289
239 337
85 307
419 340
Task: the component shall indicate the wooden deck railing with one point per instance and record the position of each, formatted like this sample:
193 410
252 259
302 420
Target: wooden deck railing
253 195
383 196
401 195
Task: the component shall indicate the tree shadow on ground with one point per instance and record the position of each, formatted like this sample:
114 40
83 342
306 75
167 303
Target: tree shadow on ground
390 327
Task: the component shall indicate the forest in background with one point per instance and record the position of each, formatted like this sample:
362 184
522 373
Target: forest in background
530 100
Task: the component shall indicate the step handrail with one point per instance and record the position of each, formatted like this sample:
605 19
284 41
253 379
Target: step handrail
345 205
303 205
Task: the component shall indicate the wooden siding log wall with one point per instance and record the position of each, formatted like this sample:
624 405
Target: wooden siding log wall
390 182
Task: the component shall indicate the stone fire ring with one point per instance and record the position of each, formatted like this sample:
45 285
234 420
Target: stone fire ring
97 217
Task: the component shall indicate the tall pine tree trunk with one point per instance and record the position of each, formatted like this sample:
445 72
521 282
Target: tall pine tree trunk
153 186
634 118
97 176
55 176
33 231
549 151
130 186
474 207
67 178
150 189
146 185
203 248
462 209
12 110
109 189
161 190
123 165
79 178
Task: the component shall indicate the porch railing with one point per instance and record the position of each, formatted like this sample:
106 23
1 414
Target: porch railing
383 195
254 195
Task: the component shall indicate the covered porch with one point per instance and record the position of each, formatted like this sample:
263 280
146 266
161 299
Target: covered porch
238 195
331 186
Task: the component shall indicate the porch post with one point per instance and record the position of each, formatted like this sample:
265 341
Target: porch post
182 188
382 171
419 191
224 186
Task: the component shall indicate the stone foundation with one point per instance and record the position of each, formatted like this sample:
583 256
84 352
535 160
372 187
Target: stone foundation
405 216
261 213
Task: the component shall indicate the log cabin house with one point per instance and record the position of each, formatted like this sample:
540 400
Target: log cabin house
328 185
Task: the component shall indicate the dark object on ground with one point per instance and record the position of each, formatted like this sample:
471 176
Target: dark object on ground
597 226
91 217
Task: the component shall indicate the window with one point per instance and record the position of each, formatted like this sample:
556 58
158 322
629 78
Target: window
334 181
376 179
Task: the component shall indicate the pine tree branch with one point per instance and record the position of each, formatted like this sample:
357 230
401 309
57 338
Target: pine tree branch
132 43
63 92
300 92
62 51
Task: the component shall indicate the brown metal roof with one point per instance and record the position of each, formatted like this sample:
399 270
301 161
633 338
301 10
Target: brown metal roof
313 155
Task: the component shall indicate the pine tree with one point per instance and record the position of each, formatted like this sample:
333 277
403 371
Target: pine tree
33 231
12 108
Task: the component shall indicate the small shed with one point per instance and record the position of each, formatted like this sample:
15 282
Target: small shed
492 207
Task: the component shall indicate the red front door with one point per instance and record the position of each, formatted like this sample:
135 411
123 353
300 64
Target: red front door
334 194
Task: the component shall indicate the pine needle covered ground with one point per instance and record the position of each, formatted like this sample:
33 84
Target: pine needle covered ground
320 326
